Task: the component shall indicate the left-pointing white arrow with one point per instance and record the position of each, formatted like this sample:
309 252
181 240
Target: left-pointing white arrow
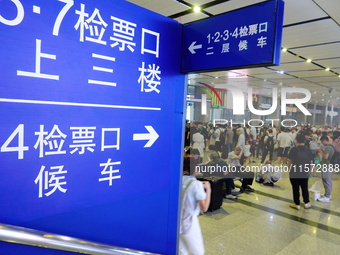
152 136
194 47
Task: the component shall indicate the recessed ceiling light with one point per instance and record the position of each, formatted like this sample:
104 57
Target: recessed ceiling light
309 60
322 99
197 9
314 92
327 69
323 94
281 72
284 49
216 77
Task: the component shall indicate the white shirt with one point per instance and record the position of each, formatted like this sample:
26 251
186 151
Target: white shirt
241 141
217 133
246 151
274 132
232 161
195 192
253 132
285 139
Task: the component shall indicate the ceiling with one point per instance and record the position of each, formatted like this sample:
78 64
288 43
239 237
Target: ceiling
311 31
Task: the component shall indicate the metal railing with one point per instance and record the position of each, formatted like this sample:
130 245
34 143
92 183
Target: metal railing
26 236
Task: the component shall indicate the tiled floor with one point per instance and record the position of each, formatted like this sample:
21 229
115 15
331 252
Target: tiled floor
263 223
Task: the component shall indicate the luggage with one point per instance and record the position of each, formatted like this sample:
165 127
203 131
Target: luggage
216 192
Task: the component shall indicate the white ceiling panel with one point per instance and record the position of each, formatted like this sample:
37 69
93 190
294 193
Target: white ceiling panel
231 5
273 75
302 35
172 9
318 80
332 7
253 71
293 13
197 2
335 85
330 79
292 81
287 57
153 5
329 63
320 51
300 66
191 17
317 73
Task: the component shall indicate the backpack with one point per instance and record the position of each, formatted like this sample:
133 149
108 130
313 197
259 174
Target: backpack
313 145
186 217
222 136
270 143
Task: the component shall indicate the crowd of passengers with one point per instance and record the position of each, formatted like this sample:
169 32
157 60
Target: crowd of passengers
299 148
222 145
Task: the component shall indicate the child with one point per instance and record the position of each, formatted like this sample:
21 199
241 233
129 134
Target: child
246 152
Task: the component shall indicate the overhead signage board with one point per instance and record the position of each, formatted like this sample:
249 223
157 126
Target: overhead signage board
91 106
243 38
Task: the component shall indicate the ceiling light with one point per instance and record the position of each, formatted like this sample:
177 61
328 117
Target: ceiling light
337 98
309 60
216 77
323 94
284 49
327 69
197 9
281 72
314 92
322 99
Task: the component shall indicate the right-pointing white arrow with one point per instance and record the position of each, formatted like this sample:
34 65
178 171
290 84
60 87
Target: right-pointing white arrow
194 47
152 136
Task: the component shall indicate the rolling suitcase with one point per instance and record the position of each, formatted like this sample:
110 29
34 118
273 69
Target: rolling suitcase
216 192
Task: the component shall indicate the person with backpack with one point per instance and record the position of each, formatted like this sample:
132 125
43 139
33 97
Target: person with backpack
269 142
311 143
328 154
194 199
300 159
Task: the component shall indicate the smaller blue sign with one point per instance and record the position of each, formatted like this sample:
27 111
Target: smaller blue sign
243 38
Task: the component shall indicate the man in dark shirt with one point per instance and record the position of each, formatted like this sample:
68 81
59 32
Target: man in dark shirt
300 159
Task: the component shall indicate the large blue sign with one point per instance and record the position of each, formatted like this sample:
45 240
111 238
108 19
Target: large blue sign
243 38
91 106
